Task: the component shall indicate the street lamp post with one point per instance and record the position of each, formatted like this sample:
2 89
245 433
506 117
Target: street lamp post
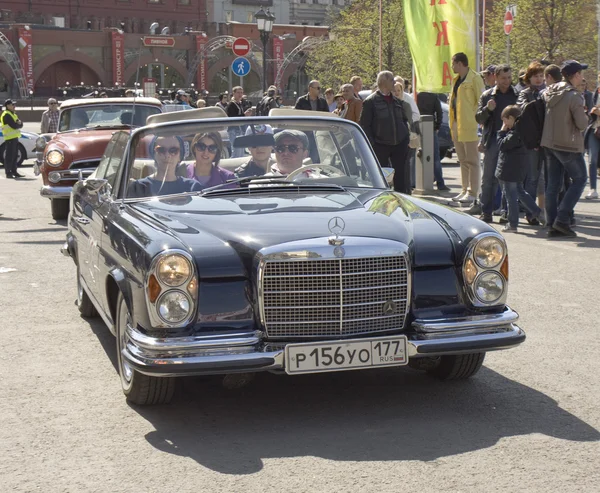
264 22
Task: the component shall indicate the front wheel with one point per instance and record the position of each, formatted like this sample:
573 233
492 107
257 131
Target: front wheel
139 389
457 366
59 208
84 303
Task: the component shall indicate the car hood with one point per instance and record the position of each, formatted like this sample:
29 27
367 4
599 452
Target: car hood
84 144
248 223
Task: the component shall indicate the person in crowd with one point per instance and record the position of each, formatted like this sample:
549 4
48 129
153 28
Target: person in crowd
329 97
408 87
521 85
236 108
552 75
11 130
129 93
207 149
291 148
534 176
183 98
415 122
312 100
200 103
339 101
593 146
466 90
357 84
247 106
259 140
222 102
563 140
512 166
50 117
489 114
489 76
385 123
268 102
167 152
429 104
588 96
351 106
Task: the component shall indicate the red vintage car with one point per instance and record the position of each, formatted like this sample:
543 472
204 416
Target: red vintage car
85 127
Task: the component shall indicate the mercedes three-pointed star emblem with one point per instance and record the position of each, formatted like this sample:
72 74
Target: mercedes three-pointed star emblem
389 307
336 226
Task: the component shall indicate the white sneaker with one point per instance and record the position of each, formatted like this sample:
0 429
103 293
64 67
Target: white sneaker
467 199
459 196
592 195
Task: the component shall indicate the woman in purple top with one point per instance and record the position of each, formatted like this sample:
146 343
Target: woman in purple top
207 148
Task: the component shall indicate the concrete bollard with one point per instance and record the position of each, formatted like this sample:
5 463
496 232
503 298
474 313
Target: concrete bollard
424 161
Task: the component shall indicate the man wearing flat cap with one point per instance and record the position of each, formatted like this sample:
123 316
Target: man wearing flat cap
489 76
11 130
563 140
291 148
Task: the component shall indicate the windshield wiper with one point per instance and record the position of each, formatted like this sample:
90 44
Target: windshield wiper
278 180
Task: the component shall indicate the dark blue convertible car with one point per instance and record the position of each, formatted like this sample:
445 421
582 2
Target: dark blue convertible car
310 263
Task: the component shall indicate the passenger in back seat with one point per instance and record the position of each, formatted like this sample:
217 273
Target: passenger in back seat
207 148
259 140
167 152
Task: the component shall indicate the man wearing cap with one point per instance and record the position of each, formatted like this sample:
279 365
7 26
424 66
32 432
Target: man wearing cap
489 76
50 117
259 140
563 140
11 126
183 98
291 148
312 101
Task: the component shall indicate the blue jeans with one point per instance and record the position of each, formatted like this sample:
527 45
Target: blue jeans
233 133
559 162
489 182
533 172
594 150
515 193
437 162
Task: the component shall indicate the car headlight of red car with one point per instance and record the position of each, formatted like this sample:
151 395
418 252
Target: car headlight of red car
55 157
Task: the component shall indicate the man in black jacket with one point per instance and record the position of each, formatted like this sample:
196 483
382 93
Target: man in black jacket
384 121
312 100
235 109
429 104
489 114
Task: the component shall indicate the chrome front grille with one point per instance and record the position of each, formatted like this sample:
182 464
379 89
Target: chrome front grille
334 297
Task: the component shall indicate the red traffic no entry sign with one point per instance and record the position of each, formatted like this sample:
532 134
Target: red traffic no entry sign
241 47
508 22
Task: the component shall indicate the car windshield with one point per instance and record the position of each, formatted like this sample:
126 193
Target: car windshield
105 115
213 157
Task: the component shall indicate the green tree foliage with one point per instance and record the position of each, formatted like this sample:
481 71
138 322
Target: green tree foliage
553 30
354 45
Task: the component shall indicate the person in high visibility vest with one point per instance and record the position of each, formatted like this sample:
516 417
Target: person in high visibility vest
11 132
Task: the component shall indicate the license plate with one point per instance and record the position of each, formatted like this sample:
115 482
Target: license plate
345 355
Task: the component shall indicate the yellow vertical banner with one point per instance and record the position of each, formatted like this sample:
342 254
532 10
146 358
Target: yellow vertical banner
436 30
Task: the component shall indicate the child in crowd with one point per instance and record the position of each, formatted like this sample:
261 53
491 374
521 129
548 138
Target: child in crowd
512 168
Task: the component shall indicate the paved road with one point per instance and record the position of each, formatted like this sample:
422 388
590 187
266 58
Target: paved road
527 422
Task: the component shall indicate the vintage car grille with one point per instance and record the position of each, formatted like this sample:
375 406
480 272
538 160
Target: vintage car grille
334 297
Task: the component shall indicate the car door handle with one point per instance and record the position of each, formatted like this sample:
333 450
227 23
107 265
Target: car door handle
82 220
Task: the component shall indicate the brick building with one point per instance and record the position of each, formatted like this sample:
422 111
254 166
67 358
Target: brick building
112 42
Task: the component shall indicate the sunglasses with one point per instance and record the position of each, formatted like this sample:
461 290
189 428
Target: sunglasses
173 151
316 87
293 148
53 104
201 146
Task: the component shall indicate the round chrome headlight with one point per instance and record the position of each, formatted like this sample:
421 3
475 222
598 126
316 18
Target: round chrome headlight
489 252
174 307
40 144
174 270
489 287
54 177
55 157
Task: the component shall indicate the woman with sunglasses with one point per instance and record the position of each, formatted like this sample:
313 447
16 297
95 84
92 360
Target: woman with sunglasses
207 149
167 153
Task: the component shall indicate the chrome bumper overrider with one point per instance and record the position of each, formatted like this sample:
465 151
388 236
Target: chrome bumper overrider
56 192
237 352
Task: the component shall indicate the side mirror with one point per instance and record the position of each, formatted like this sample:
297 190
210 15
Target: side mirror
94 185
388 173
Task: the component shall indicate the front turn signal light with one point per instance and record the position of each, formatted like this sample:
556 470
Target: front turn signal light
153 288
470 271
504 268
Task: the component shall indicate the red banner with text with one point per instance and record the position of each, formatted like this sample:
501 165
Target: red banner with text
26 55
278 55
202 66
118 54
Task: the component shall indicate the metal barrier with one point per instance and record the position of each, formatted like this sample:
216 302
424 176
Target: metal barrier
424 160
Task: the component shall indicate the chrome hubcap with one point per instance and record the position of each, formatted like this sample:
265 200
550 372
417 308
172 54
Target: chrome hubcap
126 370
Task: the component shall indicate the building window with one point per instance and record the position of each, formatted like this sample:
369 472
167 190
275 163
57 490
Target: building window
228 15
58 21
154 1
183 2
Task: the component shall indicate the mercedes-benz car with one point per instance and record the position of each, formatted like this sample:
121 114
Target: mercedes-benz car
310 264
84 128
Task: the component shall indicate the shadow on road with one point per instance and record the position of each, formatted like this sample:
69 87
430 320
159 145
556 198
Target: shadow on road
352 416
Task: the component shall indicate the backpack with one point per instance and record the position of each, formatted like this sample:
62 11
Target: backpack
264 106
531 123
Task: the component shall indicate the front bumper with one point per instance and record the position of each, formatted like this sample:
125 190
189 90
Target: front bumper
56 192
238 352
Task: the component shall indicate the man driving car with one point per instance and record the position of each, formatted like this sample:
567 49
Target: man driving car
291 148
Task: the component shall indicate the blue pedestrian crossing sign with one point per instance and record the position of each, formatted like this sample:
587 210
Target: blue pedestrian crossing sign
240 66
